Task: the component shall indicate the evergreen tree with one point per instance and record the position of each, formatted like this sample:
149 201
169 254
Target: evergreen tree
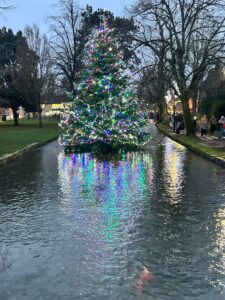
17 65
105 112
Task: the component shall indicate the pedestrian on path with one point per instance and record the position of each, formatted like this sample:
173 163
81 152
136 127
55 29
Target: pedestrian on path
203 125
213 122
222 127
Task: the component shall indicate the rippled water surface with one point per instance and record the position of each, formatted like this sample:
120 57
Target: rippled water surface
80 228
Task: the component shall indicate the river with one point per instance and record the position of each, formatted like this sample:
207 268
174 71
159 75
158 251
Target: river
76 227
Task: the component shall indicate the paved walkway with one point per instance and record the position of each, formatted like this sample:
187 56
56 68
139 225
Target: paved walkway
213 141
207 140
201 145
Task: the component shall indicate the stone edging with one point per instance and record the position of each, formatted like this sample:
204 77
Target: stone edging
9 157
216 159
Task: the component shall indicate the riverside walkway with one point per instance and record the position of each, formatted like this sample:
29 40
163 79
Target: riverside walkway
212 141
207 146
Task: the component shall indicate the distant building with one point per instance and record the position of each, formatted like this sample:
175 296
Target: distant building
176 106
6 114
54 108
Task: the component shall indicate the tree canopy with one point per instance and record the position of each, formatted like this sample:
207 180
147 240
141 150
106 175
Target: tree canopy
15 62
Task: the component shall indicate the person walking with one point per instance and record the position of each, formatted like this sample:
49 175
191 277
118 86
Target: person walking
213 122
204 125
222 127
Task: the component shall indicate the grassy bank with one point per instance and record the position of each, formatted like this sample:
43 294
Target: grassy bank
14 138
196 145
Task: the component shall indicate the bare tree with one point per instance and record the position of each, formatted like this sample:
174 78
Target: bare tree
147 85
71 29
4 6
152 88
150 38
194 33
43 86
65 40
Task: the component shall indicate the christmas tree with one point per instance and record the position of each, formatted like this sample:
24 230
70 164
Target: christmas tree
105 113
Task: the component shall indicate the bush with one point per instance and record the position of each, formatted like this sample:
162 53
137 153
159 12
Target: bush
211 106
218 109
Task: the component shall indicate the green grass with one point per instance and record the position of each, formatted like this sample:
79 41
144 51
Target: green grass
14 138
194 143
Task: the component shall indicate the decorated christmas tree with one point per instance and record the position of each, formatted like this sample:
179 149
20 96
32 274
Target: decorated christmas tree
105 113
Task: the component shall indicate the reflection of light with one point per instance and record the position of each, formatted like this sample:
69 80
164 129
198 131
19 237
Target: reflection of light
218 253
220 239
106 186
105 200
173 169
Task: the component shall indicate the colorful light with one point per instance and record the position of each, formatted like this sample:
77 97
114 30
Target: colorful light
104 108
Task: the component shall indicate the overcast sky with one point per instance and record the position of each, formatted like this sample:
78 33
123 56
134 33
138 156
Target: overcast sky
29 12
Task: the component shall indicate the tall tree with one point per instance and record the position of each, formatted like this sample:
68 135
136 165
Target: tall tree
212 93
194 34
71 28
123 28
42 82
149 88
153 52
105 114
12 61
26 78
65 42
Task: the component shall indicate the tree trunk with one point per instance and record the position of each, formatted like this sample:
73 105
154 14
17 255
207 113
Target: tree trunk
194 103
187 116
162 89
72 87
194 100
162 112
39 112
40 119
15 116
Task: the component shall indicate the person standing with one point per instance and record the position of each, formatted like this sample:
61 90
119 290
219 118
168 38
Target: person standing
213 122
175 121
204 125
222 127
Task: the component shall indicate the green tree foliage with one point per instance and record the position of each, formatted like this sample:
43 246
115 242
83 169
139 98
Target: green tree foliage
15 58
152 89
123 29
71 28
212 99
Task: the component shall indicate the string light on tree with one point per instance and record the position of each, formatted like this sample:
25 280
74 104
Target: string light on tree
105 113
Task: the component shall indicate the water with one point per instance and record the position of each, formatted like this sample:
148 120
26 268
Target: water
80 228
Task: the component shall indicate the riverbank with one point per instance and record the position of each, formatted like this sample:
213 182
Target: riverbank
207 147
14 141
